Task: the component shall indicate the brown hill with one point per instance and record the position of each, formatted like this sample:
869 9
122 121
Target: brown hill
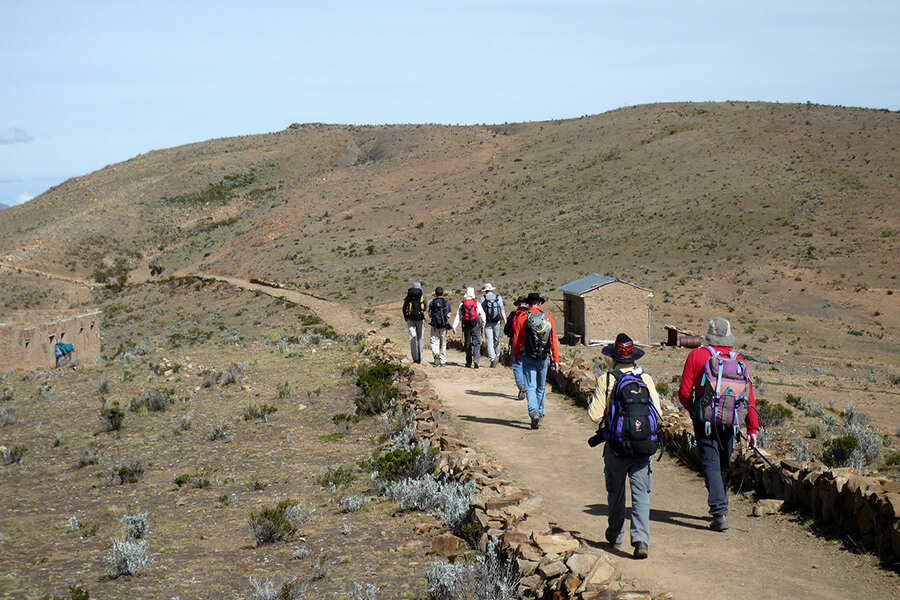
784 217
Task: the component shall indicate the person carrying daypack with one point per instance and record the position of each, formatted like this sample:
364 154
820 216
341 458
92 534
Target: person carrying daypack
439 310
414 314
471 315
717 390
627 406
494 319
535 346
522 307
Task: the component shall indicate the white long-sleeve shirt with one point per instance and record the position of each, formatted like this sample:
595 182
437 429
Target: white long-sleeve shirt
481 316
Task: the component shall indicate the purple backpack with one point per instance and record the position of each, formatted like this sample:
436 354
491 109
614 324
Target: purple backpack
726 388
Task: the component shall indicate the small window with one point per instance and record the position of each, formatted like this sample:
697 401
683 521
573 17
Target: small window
62 335
51 338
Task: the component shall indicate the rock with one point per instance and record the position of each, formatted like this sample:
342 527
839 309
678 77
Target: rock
504 501
557 543
526 567
767 507
599 577
552 569
581 564
531 583
445 543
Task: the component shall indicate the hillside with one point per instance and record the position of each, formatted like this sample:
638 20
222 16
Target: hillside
783 217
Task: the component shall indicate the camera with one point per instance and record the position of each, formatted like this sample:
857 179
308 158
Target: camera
596 439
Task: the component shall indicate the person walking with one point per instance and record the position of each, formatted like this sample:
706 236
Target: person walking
414 313
522 307
631 458
715 442
495 318
439 310
471 315
536 347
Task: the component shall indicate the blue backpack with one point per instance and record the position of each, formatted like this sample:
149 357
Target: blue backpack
633 426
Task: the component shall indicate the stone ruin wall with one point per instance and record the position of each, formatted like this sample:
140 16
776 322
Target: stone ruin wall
28 339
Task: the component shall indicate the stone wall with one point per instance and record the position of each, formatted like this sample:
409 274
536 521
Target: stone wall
28 339
554 563
867 509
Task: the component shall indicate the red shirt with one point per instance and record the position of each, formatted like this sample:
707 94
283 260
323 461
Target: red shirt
519 335
693 374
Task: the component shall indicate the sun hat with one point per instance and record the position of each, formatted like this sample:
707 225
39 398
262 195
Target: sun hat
623 350
521 300
488 288
470 293
535 298
417 286
719 333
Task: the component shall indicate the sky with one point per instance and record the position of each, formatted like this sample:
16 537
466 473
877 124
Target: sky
88 83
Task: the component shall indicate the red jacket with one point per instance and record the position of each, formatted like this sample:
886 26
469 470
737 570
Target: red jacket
693 374
519 335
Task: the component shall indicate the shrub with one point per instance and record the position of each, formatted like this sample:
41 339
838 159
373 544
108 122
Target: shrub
135 527
815 429
377 393
450 501
662 387
267 590
448 581
220 431
234 374
354 503
836 451
194 481
156 400
130 472
496 578
336 476
801 451
274 524
361 591
112 417
256 411
90 457
8 416
772 415
127 558
286 390
14 455
407 463
6 394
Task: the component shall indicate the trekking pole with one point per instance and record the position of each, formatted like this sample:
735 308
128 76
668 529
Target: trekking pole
766 460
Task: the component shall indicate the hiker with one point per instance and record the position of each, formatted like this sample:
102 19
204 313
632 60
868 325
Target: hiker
631 445
439 310
536 347
716 441
414 313
495 318
522 307
471 315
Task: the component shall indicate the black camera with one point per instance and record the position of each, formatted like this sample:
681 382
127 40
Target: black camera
596 439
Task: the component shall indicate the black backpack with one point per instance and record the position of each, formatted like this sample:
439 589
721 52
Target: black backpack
633 424
491 308
538 330
414 305
438 311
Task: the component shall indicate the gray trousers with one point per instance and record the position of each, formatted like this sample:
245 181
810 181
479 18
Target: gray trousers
639 473
416 339
492 334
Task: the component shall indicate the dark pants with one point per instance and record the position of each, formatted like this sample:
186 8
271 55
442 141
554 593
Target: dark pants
715 452
472 342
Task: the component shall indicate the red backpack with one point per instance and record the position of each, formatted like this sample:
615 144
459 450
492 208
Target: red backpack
469 312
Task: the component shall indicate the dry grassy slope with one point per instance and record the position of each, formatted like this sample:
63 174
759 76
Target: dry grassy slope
769 208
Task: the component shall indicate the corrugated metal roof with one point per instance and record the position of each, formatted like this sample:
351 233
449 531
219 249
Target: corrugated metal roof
586 284
592 282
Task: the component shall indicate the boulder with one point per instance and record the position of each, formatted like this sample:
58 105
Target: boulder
446 543
558 543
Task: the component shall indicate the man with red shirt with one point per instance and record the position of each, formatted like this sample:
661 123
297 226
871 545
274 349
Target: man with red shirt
717 443
536 350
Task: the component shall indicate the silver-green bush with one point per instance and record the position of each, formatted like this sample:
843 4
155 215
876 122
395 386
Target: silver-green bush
127 558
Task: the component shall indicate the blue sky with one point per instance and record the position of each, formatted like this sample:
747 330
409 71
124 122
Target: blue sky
88 83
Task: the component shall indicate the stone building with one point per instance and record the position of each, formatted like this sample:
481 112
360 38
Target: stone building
28 338
597 308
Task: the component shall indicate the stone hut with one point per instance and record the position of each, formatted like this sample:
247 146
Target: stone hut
598 307
28 338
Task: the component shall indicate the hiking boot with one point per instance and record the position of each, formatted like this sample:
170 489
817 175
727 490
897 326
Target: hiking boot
535 420
540 421
521 393
641 550
719 523
494 363
475 366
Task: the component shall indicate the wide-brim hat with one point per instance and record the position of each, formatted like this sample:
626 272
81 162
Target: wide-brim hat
521 300
470 293
534 298
719 333
623 350
488 288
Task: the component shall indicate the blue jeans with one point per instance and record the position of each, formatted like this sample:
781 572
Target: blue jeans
639 474
715 452
534 372
517 373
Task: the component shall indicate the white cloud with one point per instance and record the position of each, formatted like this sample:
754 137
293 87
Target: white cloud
14 135
23 198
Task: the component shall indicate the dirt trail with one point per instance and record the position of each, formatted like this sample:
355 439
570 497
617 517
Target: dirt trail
769 557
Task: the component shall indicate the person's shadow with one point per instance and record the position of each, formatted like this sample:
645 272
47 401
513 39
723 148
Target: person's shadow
494 421
490 394
660 516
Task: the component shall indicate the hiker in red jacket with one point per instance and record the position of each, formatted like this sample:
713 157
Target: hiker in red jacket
716 442
535 346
